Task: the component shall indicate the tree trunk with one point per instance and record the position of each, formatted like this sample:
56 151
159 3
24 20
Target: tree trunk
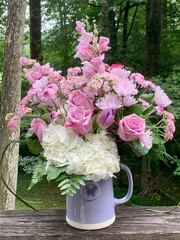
125 30
113 35
153 34
164 14
11 94
35 30
145 186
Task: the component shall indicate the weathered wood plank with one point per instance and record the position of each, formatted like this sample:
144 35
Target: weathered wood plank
132 223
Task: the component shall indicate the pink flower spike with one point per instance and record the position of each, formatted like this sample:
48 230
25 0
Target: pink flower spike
13 123
79 26
26 62
160 98
103 44
38 126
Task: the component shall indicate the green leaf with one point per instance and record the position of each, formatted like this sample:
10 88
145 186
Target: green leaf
65 186
94 123
53 172
65 192
64 182
139 149
39 171
137 109
148 97
157 139
34 146
75 184
72 190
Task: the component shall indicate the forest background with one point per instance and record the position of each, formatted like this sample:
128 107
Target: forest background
144 36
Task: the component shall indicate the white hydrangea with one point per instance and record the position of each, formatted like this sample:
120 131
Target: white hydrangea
57 142
95 156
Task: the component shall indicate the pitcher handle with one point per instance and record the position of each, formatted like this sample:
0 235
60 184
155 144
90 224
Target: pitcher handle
130 186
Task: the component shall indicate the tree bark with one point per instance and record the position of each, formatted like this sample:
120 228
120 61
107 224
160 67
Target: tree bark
113 33
153 36
11 94
35 30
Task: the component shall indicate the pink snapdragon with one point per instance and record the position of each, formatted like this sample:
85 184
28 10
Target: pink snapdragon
26 61
13 123
37 127
79 27
41 84
46 69
38 72
49 95
103 44
84 51
55 115
97 63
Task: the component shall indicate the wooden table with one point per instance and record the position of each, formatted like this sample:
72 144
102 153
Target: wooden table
132 223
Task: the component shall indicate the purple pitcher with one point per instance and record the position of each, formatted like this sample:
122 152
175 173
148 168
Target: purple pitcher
93 206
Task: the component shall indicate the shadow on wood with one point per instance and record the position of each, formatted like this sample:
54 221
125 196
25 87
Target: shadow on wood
132 223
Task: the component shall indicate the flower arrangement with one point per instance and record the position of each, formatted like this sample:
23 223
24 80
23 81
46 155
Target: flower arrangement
78 118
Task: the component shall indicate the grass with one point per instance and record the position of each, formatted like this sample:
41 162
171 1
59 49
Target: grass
47 195
43 196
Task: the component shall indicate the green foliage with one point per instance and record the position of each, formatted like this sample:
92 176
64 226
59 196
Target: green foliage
27 163
68 183
34 146
39 171
139 149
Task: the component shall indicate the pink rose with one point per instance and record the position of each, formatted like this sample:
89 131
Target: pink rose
131 127
37 127
78 98
79 119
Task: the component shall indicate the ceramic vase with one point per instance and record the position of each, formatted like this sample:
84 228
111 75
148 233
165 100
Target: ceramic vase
93 206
